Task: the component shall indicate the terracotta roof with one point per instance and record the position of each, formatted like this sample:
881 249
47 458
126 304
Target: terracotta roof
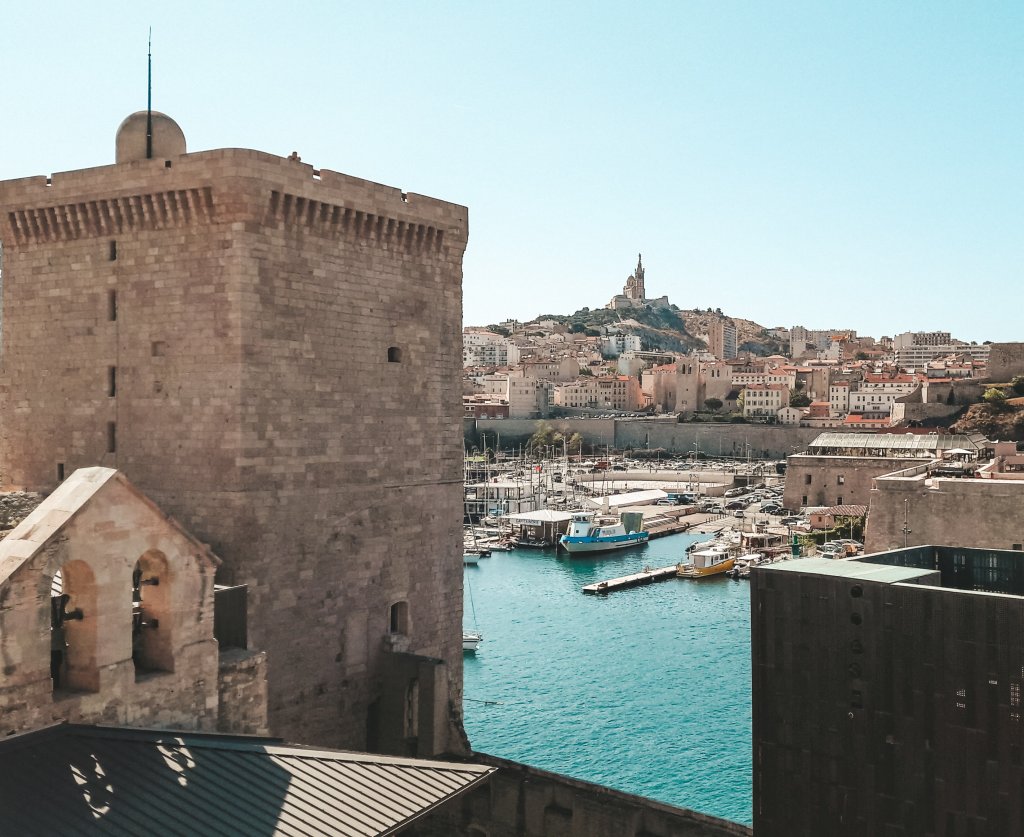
843 511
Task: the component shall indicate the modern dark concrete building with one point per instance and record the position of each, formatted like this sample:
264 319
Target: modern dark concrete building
887 694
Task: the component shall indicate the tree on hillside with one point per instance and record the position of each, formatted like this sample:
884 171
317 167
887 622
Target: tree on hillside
1017 385
995 397
799 399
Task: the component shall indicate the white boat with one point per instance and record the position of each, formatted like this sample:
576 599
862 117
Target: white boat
470 558
587 534
741 566
471 639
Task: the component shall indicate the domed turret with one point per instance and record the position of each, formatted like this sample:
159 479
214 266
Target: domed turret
130 144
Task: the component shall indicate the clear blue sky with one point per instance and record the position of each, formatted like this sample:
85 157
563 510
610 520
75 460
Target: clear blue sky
826 164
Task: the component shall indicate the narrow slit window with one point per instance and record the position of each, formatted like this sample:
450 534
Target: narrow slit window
112 305
113 251
111 437
399 622
60 472
111 381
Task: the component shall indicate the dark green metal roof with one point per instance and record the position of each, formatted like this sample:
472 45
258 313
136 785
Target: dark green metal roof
70 779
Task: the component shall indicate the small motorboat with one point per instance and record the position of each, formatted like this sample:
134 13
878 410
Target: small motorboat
470 558
704 563
470 640
741 566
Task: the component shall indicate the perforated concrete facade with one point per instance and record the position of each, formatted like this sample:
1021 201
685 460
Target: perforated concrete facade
273 354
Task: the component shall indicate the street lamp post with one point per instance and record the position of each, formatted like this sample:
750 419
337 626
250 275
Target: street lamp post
906 521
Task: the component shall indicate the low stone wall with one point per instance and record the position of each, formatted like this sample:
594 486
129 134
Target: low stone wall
242 692
765 441
522 801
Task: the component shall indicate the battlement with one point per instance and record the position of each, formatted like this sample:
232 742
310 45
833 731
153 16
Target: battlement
229 184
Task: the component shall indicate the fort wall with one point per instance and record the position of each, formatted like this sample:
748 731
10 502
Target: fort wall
524 801
273 354
712 438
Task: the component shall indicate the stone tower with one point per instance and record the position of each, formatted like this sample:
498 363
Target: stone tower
272 353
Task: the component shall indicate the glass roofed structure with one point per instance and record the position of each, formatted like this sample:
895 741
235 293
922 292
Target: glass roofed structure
896 445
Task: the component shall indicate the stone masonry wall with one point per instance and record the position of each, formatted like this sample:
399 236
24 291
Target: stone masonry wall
242 692
97 551
257 305
713 439
945 512
522 801
823 480
1005 361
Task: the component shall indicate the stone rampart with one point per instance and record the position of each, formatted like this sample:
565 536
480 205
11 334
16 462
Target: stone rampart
979 513
523 801
768 441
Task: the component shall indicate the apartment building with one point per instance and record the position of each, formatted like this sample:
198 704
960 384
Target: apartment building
612 392
763 401
485 348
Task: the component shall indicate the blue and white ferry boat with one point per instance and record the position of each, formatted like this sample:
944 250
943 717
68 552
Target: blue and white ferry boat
586 534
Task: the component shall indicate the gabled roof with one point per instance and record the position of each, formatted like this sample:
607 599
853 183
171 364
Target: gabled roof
71 779
69 498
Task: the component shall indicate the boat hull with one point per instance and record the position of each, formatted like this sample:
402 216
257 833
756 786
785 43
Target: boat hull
690 571
470 641
588 545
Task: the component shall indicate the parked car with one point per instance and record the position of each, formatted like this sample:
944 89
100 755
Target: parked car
738 513
792 521
664 501
771 508
852 546
733 505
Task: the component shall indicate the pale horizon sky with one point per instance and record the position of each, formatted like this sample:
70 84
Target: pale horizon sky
798 163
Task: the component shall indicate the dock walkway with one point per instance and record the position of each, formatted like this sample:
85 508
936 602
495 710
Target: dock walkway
626 581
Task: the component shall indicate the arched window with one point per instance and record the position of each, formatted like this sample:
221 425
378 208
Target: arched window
73 629
151 615
394 354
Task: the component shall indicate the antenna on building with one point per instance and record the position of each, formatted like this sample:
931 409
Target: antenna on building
149 97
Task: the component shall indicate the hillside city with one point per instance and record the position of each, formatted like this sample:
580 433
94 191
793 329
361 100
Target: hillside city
641 355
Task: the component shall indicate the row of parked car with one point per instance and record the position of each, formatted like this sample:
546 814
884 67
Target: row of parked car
842 548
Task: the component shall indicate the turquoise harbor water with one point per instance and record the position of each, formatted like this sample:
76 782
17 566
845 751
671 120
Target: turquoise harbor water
645 690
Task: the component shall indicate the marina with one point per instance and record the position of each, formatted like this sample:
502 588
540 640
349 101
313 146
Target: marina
546 687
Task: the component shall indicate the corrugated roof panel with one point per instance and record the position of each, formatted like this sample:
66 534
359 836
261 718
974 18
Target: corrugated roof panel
70 780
